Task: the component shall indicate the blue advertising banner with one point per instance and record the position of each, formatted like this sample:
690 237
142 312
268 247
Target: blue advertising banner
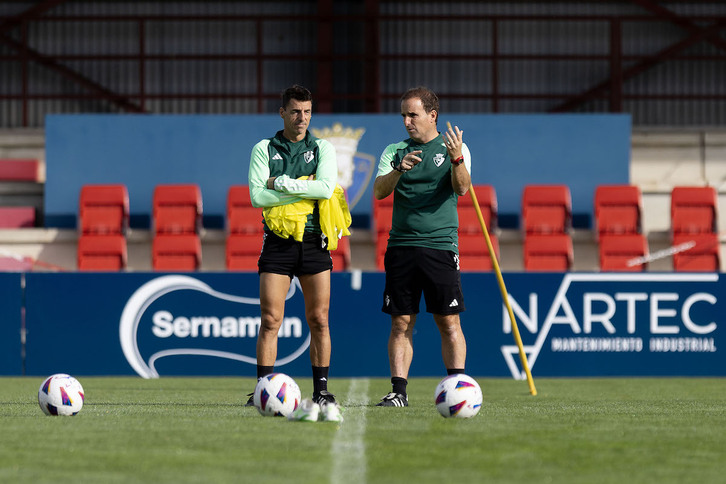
10 323
572 324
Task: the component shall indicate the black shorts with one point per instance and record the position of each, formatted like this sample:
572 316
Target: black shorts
411 271
292 258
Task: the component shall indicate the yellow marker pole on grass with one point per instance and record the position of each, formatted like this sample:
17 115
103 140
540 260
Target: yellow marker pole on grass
502 288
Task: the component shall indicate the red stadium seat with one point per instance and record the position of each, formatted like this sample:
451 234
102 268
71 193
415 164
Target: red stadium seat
474 254
618 209
619 252
17 217
103 209
19 169
546 209
693 210
704 256
341 255
242 217
381 225
243 251
102 252
381 244
176 252
382 214
468 219
548 252
177 209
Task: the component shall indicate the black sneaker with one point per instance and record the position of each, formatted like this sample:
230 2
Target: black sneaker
393 400
323 397
250 400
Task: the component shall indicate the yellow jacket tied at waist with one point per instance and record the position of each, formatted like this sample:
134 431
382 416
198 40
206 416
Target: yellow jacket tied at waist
289 220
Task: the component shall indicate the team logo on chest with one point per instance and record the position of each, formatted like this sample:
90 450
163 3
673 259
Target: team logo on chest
439 159
308 156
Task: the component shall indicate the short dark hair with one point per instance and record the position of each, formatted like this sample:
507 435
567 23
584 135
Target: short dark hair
296 92
428 98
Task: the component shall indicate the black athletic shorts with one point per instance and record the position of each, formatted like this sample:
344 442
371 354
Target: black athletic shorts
411 271
292 258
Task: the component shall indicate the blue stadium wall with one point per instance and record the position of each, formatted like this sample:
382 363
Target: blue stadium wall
157 325
141 151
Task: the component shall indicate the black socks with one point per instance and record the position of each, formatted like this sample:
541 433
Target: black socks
399 385
320 378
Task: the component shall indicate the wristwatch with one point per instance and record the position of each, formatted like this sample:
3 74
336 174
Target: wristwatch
458 161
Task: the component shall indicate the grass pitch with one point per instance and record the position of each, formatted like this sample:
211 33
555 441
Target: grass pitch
196 430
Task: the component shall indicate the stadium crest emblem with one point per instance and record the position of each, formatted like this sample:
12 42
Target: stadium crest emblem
354 169
180 316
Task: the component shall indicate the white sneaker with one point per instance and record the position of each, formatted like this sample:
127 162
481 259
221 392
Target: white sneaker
307 411
330 412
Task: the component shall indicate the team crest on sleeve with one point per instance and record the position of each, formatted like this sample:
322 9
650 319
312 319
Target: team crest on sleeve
439 159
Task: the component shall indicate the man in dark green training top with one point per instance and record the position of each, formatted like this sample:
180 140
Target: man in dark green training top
289 167
426 174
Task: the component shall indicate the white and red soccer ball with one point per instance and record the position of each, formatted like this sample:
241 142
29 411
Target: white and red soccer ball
60 394
458 396
276 395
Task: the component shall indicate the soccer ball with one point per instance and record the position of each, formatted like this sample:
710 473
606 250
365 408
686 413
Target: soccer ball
458 396
60 394
276 395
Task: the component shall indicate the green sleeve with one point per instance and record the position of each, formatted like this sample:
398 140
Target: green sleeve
258 175
384 164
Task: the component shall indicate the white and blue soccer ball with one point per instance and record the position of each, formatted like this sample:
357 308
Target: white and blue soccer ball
458 396
61 394
276 395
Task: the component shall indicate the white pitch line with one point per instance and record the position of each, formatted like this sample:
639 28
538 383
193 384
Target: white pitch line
348 449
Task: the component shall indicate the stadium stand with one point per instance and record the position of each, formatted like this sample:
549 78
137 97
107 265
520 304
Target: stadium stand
103 219
693 210
242 217
102 252
474 253
341 255
177 212
546 209
694 219
244 230
546 224
19 169
104 209
618 209
17 217
176 252
382 215
177 209
242 251
704 256
548 252
486 195
619 252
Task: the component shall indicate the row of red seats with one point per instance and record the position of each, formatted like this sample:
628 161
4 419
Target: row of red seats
547 224
176 224
18 170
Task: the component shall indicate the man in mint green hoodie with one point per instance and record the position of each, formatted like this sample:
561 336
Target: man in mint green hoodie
291 166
